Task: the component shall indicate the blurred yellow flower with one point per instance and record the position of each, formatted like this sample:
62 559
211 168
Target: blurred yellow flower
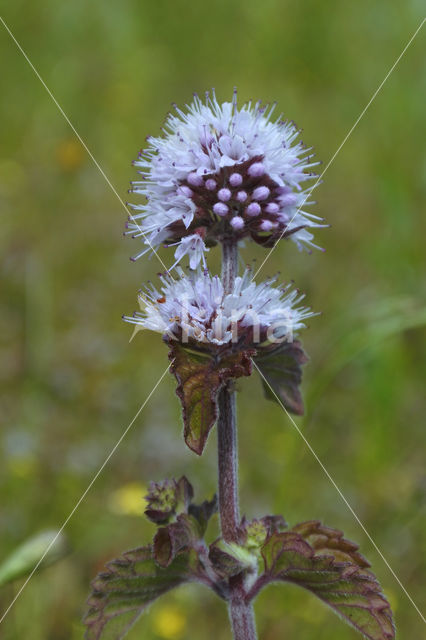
70 154
128 500
169 622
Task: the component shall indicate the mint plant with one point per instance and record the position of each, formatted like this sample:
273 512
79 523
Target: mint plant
220 175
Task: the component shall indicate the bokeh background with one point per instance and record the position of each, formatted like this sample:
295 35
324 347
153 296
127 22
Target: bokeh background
71 381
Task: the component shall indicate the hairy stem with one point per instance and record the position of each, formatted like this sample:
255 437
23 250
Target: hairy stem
241 613
229 263
228 465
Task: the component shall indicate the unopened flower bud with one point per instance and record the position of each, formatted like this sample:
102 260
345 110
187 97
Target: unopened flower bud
224 195
253 209
235 179
220 209
195 179
261 193
237 223
256 170
266 225
272 207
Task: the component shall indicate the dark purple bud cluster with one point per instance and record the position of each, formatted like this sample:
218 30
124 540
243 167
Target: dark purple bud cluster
242 199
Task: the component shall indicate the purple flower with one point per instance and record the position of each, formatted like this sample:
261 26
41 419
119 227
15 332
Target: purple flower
216 162
196 308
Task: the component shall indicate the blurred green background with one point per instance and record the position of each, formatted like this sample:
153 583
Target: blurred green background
71 381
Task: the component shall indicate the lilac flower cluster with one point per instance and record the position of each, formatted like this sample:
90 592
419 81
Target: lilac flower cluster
220 170
195 308
221 173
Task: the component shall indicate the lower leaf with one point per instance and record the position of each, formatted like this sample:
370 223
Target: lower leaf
130 583
322 561
177 536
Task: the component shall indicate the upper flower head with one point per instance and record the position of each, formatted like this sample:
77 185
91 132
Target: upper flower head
195 309
220 169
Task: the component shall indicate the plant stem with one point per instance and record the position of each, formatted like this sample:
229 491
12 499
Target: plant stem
228 465
241 613
229 263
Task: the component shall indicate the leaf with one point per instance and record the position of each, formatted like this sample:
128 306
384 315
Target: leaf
203 512
130 583
229 558
200 377
24 558
180 535
281 368
321 560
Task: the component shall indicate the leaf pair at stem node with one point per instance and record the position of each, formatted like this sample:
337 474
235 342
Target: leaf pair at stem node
309 555
201 374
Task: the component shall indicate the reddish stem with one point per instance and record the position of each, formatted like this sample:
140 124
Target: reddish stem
240 612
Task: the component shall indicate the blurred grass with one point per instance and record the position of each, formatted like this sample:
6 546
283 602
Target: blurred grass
70 380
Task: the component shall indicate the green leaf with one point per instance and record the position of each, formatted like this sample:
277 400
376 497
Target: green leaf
200 377
24 558
319 559
281 367
130 583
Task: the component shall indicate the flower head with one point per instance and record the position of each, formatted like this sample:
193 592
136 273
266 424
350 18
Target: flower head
219 169
167 498
195 309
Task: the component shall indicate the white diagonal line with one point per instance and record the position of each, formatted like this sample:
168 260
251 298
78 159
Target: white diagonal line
80 139
84 494
310 189
341 494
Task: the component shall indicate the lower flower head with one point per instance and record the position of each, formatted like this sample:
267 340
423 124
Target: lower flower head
194 308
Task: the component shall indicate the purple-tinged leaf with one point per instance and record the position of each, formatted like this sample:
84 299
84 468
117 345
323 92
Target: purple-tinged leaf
203 512
224 564
322 561
229 558
181 535
281 367
200 377
184 494
274 524
129 584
